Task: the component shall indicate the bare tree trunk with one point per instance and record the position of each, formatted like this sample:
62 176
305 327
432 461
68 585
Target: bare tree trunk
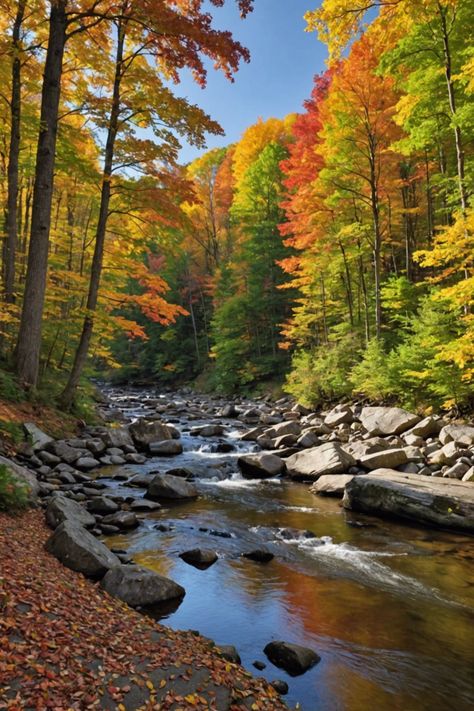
10 245
80 357
29 336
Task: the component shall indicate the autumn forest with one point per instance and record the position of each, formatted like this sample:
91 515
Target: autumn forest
329 250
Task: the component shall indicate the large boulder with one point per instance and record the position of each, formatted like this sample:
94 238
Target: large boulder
390 459
62 509
36 436
164 486
430 500
461 434
312 463
140 587
117 437
260 466
77 549
331 484
144 432
166 448
387 420
293 658
23 476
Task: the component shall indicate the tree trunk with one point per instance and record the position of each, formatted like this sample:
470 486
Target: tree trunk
29 336
80 357
10 245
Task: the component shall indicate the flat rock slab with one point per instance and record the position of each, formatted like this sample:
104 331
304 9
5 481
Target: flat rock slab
448 503
331 484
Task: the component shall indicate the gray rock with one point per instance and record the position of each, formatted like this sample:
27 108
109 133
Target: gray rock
312 463
77 549
145 432
387 420
49 458
121 519
427 427
64 451
390 459
117 437
23 476
331 484
229 652
293 658
144 505
63 509
448 454
87 463
469 475
440 502
102 505
199 557
165 448
135 458
457 471
339 416
96 446
307 440
37 437
462 434
260 466
140 587
207 431
163 486
284 428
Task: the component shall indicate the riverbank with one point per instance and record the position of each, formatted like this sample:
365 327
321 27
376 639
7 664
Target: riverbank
67 644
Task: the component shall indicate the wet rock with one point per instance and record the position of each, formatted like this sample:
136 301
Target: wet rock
280 686
144 505
123 520
77 549
62 509
140 481
289 534
430 500
312 463
207 431
387 420
163 486
199 557
220 534
140 587
260 555
163 527
293 658
181 472
259 665
145 432
102 505
331 484
229 652
165 448
260 466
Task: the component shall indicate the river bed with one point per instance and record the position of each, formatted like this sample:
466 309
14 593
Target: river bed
388 606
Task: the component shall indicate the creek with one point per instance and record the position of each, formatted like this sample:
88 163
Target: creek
388 606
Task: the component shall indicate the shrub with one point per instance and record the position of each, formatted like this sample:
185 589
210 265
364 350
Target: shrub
13 493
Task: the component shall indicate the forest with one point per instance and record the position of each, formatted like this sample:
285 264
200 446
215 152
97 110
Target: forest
330 250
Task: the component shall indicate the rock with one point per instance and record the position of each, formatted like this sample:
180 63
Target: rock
121 519
199 557
448 454
462 434
331 484
207 431
387 420
360 449
307 440
49 458
181 472
252 435
457 471
390 458
259 665
260 466
280 686
434 501
63 509
144 505
469 475
145 432
229 652
228 411
165 448
288 440
163 486
339 416
117 437
23 476
77 549
284 428
260 555
96 446
102 505
312 463
293 658
135 458
427 427
140 587
36 436
87 463
65 452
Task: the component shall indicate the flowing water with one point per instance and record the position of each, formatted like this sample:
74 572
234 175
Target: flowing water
389 607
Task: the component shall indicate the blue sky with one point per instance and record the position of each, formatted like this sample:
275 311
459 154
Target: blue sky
278 79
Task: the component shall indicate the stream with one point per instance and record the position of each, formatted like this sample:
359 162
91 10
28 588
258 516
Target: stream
388 606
